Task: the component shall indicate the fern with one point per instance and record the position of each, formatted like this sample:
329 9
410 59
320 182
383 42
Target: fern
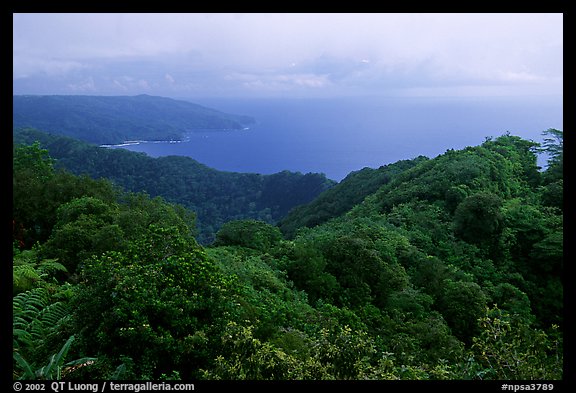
28 272
34 318
24 277
36 323
35 307
27 305
49 320
48 267
53 315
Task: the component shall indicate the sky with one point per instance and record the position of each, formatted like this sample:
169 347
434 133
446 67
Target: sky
289 55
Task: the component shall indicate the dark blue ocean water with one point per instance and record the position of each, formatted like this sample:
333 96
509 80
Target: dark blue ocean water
337 136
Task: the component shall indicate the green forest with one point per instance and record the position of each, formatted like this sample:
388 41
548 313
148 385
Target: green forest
115 119
445 268
214 196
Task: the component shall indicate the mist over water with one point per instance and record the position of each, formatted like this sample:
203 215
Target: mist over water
340 135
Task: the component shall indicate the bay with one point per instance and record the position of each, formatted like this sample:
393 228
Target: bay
335 136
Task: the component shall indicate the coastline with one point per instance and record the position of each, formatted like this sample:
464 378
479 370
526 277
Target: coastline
185 139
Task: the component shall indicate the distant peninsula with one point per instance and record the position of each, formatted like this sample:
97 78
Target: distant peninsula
116 119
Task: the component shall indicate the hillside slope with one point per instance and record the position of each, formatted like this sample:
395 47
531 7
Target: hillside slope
115 119
215 196
451 270
343 196
485 211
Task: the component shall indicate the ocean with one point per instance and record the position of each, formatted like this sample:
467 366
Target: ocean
336 136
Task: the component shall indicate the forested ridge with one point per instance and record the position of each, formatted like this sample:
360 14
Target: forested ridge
115 119
214 196
437 269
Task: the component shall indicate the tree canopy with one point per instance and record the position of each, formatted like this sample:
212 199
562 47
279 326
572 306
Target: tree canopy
440 269
214 196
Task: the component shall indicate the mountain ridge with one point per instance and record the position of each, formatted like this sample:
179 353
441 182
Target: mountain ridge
451 269
215 196
115 119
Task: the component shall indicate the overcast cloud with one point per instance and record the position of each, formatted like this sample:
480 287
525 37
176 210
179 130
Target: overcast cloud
288 54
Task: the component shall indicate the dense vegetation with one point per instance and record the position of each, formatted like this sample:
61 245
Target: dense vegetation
112 120
215 196
450 269
343 196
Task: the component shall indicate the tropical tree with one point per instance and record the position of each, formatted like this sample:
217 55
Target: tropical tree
478 219
162 290
508 348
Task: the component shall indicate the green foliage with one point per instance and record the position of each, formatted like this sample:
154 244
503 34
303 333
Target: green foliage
525 225
89 226
512 300
26 307
247 358
461 304
365 274
248 233
508 349
138 211
505 167
478 219
33 160
554 147
38 192
454 196
395 283
355 263
31 169
553 194
426 226
163 290
553 177
28 271
338 353
39 319
214 196
410 302
342 197
284 190
262 295
56 368
35 317
306 267
85 226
